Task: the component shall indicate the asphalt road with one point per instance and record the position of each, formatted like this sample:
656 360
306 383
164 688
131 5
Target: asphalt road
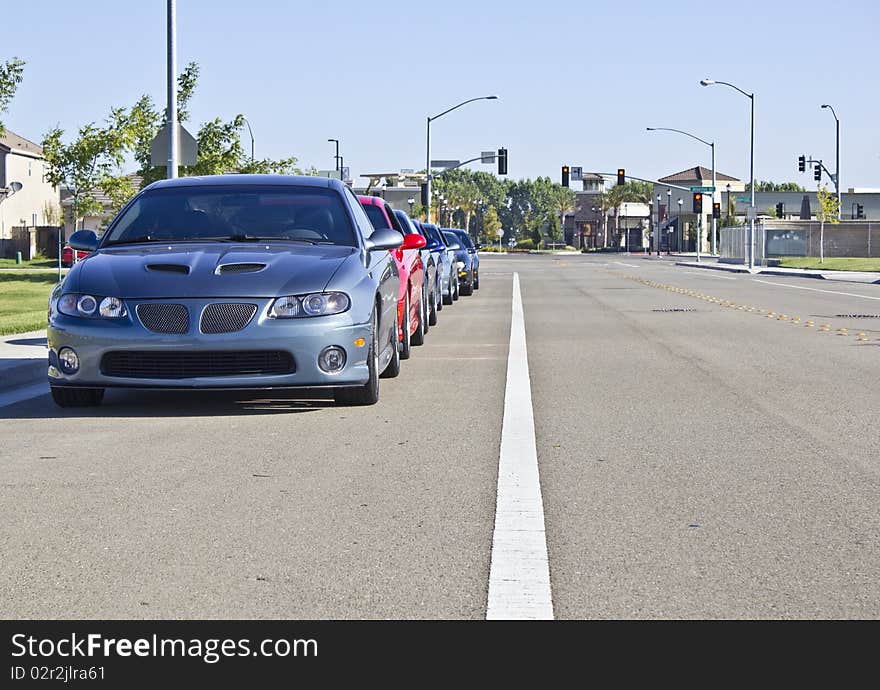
707 463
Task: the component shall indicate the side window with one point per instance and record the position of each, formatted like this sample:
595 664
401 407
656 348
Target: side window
395 223
364 226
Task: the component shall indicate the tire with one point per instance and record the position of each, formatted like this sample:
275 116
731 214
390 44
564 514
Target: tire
427 296
440 299
77 397
447 299
368 394
476 280
432 311
392 370
467 289
406 343
457 292
418 338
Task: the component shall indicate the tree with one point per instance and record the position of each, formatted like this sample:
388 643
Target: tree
554 229
11 74
491 225
90 162
766 186
829 206
563 204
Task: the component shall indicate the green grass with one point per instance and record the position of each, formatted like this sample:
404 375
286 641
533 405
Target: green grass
23 301
38 262
831 263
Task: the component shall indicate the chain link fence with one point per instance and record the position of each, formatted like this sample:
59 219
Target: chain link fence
774 239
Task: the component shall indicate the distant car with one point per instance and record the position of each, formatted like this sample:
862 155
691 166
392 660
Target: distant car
67 256
427 273
447 275
459 258
469 274
229 281
408 258
429 258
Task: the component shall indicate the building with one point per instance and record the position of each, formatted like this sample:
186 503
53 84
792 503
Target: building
27 200
108 211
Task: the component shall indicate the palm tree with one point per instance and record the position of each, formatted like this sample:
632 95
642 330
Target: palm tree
563 203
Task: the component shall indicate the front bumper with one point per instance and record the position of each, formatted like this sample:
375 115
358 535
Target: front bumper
303 339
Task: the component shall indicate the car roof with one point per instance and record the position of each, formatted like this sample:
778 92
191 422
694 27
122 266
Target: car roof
280 180
370 199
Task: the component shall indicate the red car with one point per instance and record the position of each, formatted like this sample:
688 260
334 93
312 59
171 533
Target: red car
67 255
410 307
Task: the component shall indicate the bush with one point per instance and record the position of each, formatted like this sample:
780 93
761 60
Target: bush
493 248
525 244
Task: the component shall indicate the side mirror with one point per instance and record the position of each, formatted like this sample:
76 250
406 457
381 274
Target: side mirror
478 246
384 238
414 241
84 240
454 246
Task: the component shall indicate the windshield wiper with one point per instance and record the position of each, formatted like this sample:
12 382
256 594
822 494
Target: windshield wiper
257 238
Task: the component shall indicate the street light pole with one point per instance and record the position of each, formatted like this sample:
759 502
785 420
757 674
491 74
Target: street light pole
251 132
171 113
428 145
714 238
336 157
751 96
657 233
837 159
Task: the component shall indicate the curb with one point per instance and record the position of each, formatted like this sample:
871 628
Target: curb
771 272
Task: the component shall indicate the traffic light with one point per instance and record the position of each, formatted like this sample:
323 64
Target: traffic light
780 210
502 161
716 210
698 202
565 176
817 172
802 163
860 211
621 176
424 194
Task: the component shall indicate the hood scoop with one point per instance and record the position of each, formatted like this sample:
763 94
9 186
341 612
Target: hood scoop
181 269
239 268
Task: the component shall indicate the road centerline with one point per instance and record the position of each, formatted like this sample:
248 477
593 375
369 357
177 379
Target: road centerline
519 572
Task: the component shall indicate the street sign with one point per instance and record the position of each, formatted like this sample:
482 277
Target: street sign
444 164
187 147
577 174
346 176
708 190
487 157
743 199
500 232
333 174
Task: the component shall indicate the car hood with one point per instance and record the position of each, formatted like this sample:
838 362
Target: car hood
262 270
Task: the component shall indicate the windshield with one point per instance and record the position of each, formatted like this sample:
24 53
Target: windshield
464 238
235 214
377 218
433 233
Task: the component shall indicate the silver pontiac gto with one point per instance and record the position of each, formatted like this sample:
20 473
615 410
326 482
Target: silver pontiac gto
229 281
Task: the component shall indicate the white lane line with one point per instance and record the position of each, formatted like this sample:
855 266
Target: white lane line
620 263
706 274
519 574
25 393
830 292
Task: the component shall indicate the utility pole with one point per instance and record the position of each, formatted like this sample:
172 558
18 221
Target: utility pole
173 135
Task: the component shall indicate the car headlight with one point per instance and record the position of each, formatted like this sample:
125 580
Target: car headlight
313 304
90 306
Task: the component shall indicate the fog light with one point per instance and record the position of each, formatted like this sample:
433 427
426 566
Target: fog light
68 360
332 359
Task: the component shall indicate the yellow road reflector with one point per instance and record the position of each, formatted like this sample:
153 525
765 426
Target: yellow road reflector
843 331
782 317
795 319
825 328
809 324
861 336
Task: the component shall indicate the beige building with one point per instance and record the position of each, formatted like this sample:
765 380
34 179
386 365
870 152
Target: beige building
27 200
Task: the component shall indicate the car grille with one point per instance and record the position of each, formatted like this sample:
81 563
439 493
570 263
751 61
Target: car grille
196 364
227 318
164 318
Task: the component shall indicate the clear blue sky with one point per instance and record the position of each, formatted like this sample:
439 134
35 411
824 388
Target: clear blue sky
578 81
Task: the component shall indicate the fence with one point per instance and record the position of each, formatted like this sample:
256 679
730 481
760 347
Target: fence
774 239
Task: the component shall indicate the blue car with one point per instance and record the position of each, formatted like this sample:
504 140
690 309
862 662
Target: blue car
469 260
444 251
230 281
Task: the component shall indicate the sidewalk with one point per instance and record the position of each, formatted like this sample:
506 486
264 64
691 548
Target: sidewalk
23 359
839 276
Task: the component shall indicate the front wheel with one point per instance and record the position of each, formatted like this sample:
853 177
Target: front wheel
406 343
368 394
65 396
418 338
432 311
476 280
393 368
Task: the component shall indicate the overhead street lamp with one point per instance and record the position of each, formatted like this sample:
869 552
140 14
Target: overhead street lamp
251 132
837 157
428 144
336 157
751 96
712 146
